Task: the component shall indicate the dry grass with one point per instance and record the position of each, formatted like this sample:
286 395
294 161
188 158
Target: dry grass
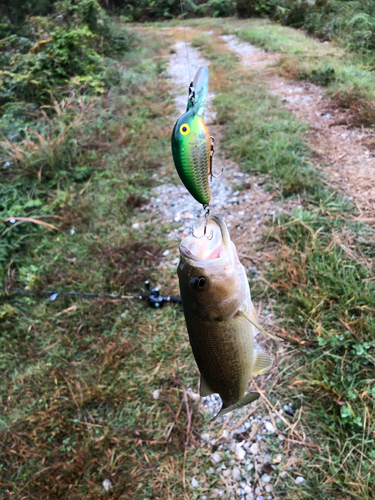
78 376
321 274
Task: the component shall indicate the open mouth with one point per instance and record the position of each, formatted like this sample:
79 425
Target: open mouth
211 246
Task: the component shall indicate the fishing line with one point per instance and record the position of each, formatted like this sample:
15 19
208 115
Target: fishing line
154 299
186 45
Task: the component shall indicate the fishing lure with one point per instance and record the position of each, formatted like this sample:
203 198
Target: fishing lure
192 146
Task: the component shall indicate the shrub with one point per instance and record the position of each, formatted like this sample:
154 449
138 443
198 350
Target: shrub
217 8
69 45
135 10
351 22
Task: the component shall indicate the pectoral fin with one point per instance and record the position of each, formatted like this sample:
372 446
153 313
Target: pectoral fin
258 327
262 363
248 398
253 313
204 390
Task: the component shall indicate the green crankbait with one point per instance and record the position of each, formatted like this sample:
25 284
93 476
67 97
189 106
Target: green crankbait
192 146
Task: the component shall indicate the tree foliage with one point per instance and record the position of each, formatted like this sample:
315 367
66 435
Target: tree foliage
66 47
352 22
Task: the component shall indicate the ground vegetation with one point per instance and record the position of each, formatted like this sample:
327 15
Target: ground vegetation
85 135
322 277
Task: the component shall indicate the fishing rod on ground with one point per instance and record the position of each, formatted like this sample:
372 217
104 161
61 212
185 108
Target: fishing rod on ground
153 298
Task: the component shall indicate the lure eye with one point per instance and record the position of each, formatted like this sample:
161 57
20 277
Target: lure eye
184 129
198 283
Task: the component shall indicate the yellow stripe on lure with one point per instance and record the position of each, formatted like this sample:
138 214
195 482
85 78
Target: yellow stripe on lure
191 143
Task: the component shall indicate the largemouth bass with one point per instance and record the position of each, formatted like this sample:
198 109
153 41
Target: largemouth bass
220 316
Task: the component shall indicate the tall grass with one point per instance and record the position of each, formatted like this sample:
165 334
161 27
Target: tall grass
348 78
78 376
322 277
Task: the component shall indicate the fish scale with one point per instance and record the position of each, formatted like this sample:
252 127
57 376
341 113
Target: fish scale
229 341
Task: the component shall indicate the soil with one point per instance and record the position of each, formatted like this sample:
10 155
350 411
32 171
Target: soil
346 154
246 207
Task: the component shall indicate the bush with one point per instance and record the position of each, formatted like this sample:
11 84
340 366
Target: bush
70 45
249 8
353 23
217 8
143 10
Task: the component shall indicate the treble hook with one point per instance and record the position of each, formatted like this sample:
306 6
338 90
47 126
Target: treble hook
206 214
212 141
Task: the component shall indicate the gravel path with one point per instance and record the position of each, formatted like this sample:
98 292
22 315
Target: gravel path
250 452
345 153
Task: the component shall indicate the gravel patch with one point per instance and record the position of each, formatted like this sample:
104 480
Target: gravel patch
346 153
242 444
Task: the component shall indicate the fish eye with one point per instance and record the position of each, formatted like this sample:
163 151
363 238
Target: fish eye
198 283
184 129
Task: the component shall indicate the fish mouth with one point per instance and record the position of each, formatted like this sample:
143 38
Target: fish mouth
211 248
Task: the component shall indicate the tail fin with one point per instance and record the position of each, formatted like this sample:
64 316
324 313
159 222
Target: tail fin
248 398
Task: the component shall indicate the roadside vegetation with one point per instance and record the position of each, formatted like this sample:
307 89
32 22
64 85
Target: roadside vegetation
344 67
78 375
347 77
322 278
85 134
351 23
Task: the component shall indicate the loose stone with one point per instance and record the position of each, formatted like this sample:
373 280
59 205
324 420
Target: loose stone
216 458
254 448
270 428
236 474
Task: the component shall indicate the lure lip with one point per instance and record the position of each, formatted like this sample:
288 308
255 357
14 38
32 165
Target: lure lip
200 85
223 241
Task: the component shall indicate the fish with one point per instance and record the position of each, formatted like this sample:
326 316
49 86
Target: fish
220 316
192 146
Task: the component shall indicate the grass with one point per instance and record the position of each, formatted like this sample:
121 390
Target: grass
323 282
277 38
78 375
322 277
264 137
347 77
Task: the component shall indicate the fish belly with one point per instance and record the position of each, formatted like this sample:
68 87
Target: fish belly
224 353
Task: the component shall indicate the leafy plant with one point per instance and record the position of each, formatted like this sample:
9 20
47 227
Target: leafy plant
352 23
69 47
363 35
323 76
216 8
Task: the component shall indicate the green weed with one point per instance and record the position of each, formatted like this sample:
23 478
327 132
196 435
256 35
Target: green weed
322 278
66 47
78 376
323 281
348 78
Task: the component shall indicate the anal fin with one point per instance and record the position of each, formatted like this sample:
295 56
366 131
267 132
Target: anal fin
247 399
262 363
204 389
